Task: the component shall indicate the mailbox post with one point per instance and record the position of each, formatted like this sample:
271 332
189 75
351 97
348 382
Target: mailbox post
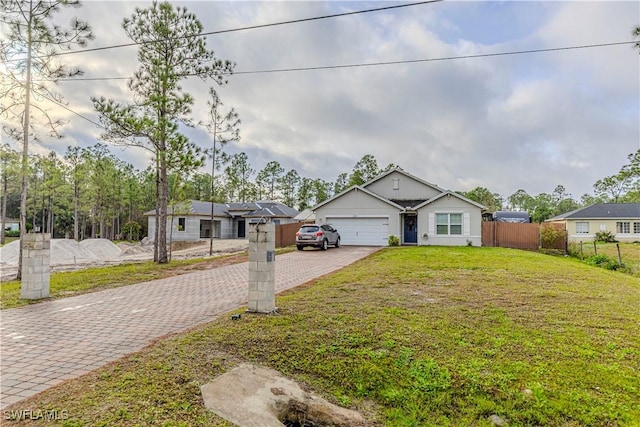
262 262
36 266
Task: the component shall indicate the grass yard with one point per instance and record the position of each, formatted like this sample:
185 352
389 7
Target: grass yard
629 252
423 336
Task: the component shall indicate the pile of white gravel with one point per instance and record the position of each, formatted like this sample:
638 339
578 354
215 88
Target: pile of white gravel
68 251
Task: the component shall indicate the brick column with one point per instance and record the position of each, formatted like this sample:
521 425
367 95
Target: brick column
36 266
262 267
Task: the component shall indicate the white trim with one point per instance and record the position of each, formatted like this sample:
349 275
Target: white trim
358 216
466 224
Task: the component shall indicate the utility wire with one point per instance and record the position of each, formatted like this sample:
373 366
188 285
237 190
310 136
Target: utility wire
254 27
374 64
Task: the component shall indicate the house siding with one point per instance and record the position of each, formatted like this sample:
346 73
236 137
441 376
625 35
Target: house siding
596 225
356 204
407 188
471 223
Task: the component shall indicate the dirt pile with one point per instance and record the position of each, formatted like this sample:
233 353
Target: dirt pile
68 254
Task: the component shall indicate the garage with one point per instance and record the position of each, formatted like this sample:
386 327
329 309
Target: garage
362 231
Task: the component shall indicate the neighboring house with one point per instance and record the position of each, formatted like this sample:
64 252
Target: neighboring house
192 220
11 224
306 215
400 204
621 219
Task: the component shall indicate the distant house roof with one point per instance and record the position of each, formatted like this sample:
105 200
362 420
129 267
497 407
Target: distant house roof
603 211
263 208
306 215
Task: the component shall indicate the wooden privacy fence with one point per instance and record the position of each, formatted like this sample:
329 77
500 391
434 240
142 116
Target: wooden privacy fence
518 235
286 234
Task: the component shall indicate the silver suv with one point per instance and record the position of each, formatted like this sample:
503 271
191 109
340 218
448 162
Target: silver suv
316 235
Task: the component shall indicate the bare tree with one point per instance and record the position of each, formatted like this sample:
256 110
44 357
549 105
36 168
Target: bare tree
224 127
28 48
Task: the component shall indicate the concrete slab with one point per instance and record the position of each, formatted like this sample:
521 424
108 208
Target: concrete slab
255 396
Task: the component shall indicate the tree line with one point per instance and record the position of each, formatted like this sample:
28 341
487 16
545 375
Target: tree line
89 193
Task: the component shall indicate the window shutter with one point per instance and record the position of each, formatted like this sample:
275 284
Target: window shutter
466 224
432 224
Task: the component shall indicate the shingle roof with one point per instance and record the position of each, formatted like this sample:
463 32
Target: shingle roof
266 208
603 211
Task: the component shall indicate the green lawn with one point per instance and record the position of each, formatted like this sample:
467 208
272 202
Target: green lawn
629 253
424 336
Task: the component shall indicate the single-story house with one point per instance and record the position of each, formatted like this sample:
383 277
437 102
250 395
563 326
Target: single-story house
191 220
397 203
621 219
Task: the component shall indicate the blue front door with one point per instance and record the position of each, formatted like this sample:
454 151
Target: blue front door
410 229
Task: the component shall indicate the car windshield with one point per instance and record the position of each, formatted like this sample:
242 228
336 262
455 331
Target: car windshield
309 229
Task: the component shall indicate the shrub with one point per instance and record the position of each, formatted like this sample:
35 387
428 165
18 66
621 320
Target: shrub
551 237
394 240
602 261
605 237
12 233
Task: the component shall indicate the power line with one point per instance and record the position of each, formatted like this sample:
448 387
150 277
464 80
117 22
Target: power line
374 64
254 27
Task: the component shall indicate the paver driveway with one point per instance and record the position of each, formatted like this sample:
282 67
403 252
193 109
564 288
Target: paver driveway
47 343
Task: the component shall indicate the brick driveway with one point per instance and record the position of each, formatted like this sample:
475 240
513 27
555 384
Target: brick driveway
44 344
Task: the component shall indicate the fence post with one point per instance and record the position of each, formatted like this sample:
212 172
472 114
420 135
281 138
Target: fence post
595 248
619 255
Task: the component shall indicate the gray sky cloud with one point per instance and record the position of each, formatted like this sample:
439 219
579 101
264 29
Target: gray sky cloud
529 121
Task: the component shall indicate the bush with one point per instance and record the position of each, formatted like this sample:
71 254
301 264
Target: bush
12 233
603 261
551 237
605 237
394 240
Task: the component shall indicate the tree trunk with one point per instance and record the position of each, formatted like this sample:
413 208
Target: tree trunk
25 142
4 206
162 226
76 236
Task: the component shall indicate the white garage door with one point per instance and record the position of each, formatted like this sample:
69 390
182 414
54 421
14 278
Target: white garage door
362 231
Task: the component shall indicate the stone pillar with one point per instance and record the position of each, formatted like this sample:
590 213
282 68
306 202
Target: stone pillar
36 266
262 267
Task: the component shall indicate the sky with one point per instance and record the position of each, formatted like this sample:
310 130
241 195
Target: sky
523 121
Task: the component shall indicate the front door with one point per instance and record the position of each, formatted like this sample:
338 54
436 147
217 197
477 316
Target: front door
410 229
241 228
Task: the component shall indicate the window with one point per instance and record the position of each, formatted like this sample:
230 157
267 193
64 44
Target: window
623 227
636 228
182 224
449 224
582 228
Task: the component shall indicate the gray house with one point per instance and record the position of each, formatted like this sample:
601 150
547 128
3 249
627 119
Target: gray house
191 221
400 204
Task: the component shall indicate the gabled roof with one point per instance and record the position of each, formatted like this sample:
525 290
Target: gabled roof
358 188
451 193
402 204
407 174
603 211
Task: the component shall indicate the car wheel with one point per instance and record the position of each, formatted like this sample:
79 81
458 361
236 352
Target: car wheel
300 247
338 242
325 245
